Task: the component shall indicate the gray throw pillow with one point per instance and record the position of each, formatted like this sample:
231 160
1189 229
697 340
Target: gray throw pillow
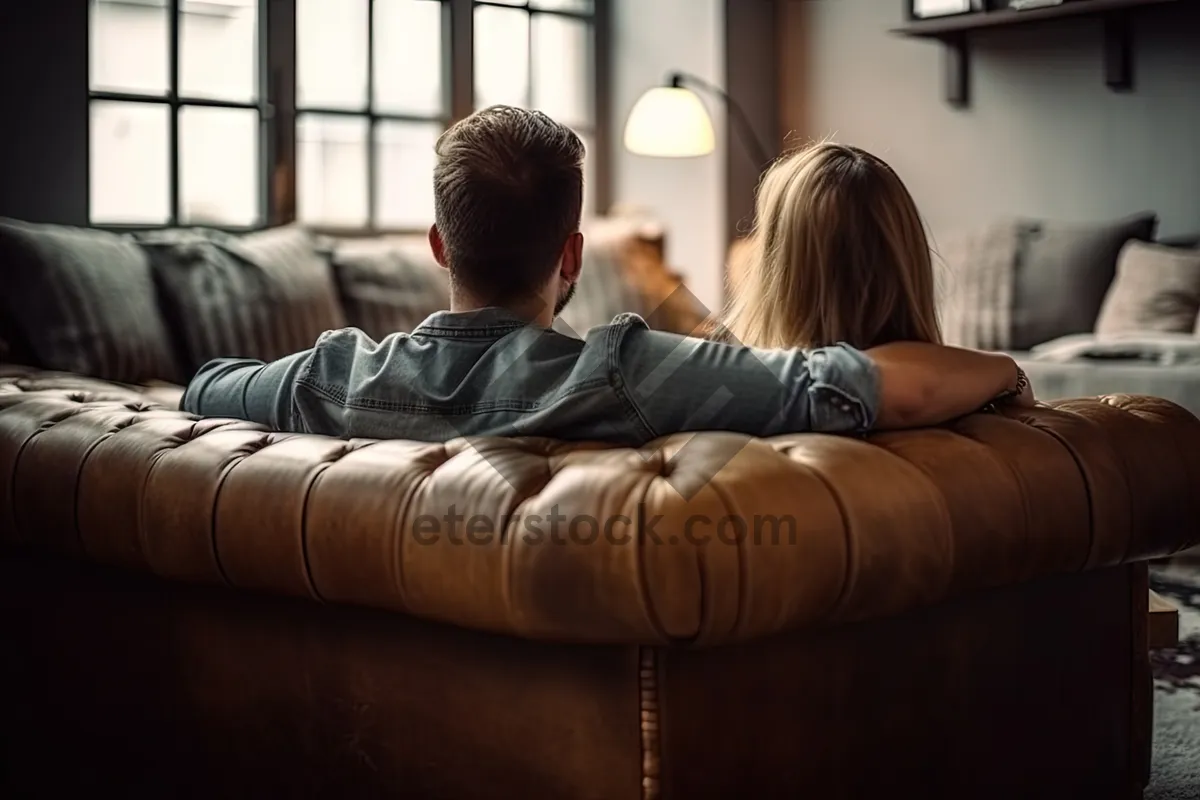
1157 289
264 295
81 301
1063 272
389 286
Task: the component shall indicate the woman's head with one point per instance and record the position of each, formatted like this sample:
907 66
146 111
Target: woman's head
838 254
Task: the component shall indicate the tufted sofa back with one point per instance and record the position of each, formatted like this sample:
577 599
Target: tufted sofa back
703 538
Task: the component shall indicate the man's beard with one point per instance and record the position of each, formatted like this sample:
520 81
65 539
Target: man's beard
563 299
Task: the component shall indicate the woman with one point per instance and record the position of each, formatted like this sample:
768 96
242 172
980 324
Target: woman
838 254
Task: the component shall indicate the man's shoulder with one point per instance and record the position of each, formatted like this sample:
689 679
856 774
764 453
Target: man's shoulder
341 353
632 334
631 327
350 345
619 324
348 339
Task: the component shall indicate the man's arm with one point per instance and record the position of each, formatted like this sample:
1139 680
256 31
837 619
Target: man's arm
247 389
682 384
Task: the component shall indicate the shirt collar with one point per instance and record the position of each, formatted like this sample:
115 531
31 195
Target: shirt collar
491 320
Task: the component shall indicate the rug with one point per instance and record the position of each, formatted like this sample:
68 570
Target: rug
1175 769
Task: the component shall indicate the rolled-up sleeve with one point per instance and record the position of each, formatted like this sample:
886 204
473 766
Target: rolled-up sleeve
843 390
676 384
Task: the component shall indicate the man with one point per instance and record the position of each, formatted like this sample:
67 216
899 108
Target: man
508 189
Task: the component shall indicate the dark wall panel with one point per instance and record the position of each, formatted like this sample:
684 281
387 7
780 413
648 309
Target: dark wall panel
44 110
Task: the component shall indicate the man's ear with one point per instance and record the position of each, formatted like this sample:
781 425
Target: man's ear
572 258
437 246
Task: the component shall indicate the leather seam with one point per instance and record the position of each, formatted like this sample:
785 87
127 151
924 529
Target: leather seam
643 584
1124 467
212 532
844 593
743 589
309 581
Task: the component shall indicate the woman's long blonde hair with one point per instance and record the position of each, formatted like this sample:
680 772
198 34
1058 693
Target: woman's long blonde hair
838 254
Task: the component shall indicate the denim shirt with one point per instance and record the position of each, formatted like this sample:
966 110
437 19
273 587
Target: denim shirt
488 373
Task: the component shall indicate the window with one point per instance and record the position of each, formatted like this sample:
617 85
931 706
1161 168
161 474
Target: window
187 129
177 110
371 100
539 54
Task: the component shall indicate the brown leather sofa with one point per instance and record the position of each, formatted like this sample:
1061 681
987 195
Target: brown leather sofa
203 608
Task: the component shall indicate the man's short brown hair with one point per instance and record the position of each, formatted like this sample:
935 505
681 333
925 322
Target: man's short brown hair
508 192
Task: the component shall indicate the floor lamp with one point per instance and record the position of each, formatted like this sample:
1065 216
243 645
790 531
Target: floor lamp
669 121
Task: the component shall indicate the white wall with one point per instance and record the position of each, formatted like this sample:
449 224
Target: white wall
651 39
1044 137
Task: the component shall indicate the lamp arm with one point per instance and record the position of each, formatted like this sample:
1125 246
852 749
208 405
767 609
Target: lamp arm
741 123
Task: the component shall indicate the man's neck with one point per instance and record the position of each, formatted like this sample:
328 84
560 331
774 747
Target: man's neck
535 312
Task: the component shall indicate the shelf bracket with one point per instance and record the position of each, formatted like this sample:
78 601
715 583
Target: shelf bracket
1118 52
956 68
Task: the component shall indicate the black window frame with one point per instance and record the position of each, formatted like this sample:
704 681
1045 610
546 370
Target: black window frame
175 102
278 112
591 18
373 118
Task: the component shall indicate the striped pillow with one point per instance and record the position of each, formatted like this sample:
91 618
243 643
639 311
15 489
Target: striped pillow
264 295
389 286
82 301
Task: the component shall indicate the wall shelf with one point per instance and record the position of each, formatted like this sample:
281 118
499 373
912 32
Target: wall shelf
954 33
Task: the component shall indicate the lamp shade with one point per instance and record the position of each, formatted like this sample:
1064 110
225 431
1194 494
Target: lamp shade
669 122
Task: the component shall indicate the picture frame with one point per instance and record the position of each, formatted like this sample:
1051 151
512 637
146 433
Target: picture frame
929 9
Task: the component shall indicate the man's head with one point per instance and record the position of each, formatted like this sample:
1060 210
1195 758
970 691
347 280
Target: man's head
508 196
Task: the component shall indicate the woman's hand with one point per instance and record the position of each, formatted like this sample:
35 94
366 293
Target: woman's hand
1025 399
1021 395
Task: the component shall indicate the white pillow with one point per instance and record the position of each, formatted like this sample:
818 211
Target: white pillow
1157 288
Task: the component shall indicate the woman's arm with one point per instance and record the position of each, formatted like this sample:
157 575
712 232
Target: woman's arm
927 384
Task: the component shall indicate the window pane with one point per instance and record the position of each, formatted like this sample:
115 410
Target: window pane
331 54
589 175
129 47
408 56
562 53
130 165
405 161
501 57
218 49
578 6
331 166
218 164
